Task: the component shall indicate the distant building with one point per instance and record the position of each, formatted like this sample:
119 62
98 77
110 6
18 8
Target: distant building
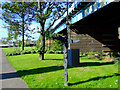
49 41
3 45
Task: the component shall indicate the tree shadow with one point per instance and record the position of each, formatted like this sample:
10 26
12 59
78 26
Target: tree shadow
56 68
93 79
54 59
8 75
39 70
85 64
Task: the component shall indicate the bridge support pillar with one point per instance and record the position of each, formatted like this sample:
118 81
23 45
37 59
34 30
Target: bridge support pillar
119 40
73 57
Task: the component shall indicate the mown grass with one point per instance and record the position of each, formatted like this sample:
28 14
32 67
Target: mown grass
49 73
11 49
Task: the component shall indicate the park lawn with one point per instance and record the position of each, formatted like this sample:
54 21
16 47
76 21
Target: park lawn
49 73
11 49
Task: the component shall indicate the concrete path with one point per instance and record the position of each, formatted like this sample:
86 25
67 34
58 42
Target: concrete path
8 76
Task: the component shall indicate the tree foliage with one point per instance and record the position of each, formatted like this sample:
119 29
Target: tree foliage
57 45
38 42
27 42
47 13
18 15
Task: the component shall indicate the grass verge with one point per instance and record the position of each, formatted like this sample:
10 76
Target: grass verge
49 73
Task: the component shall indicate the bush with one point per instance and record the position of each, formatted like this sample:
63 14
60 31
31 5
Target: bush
57 45
58 52
23 52
46 50
9 54
38 43
36 51
55 52
18 53
13 53
28 51
51 51
33 51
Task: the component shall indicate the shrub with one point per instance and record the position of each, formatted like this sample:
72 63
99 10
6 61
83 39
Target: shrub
17 53
9 54
33 51
13 53
36 51
57 45
25 52
46 50
51 51
57 52
38 43
28 51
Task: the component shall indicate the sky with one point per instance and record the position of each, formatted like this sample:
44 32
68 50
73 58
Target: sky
4 31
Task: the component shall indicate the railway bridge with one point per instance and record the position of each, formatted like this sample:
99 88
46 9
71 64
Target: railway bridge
94 26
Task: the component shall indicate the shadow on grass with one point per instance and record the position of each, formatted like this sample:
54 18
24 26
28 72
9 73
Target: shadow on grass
54 59
40 70
93 79
84 64
55 68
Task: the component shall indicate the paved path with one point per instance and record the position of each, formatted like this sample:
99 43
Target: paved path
8 75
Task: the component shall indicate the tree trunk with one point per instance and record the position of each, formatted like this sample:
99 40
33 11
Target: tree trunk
23 34
42 34
23 30
65 61
49 43
16 44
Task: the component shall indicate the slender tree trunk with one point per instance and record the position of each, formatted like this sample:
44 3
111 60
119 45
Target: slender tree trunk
23 32
41 56
23 28
16 44
65 62
49 44
42 34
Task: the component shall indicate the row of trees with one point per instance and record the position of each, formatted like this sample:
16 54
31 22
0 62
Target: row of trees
19 16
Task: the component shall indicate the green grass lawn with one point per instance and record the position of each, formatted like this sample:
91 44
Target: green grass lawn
49 73
11 49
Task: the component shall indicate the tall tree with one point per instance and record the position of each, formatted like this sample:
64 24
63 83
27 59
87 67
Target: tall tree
19 16
10 35
47 12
